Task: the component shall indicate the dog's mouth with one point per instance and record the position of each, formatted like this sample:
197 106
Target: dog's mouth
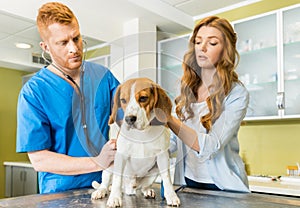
134 126
130 126
132 122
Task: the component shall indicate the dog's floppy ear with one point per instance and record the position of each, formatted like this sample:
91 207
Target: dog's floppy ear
163 104
116 106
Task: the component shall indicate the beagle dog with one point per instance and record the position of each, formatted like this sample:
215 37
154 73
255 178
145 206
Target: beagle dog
142 148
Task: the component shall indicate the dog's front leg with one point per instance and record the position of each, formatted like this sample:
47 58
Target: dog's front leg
102 189
164 169
115 197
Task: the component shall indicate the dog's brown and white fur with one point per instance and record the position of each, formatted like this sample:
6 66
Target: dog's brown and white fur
142 148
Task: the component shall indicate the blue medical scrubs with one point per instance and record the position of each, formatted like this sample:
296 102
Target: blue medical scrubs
49 117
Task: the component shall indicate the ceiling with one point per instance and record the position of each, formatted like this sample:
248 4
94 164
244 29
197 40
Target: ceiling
101 21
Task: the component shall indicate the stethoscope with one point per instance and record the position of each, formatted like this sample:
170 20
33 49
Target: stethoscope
80 90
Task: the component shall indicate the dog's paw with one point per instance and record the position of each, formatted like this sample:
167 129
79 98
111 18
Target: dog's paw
149 194
114 201
130 191
100 193
173 200
96 185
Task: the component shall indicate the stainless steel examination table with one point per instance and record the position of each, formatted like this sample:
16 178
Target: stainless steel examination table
189 198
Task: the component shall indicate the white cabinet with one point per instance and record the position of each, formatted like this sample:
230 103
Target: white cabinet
291 60
20 179
269 48
170 58
102 60
258 69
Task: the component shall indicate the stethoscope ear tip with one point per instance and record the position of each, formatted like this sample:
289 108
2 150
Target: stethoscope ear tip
48 58
84 41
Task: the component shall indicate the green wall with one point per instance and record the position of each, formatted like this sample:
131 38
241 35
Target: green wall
98 52
10 85
267 147
260 7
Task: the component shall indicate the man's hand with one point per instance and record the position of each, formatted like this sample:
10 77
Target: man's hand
107 154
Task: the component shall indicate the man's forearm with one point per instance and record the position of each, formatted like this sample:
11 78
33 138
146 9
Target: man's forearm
47 161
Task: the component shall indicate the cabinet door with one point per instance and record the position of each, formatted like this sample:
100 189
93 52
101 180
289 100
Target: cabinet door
291 60
102 60
30 181
23 181
17 181
258 66
170 59
8 181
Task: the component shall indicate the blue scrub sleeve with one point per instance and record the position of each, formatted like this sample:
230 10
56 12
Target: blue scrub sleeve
33 126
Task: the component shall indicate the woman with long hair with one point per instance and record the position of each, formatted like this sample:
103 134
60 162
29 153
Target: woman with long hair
210 108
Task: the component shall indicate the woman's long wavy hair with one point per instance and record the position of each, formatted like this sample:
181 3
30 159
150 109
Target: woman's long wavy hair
223 79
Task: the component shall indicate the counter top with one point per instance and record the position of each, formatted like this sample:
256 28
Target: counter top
284 186
289 186
19 164
189 198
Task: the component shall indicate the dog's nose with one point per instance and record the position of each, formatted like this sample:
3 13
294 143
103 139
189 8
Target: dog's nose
130 120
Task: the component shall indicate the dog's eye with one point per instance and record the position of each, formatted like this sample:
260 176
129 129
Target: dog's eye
143 99
123 101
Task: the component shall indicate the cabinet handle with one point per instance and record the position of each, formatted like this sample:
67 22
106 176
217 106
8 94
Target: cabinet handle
280 100
21 176
25 176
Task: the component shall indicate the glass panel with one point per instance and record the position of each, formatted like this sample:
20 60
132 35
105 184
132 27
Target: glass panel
102 60
291 61
258 63
171 57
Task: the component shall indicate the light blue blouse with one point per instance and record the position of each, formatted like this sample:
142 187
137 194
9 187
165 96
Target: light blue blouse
220 147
